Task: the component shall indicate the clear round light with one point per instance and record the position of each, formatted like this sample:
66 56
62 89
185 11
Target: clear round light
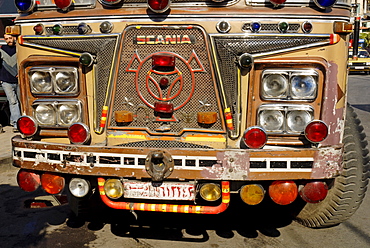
79 187
45 114
271 120
274 86
303 87
297 120
113 188
66 82
40 82
68 114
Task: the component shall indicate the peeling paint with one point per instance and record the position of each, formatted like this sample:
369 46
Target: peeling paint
328 163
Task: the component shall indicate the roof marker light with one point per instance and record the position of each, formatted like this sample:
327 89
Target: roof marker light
25 5
325 3
159 6
255 27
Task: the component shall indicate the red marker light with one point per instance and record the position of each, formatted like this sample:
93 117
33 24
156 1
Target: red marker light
255 137
78 133
163 107
63 4
277 2
163 61
159 6
28 181
283 192
27 125
316 131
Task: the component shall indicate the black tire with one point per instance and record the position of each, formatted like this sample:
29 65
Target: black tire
347 190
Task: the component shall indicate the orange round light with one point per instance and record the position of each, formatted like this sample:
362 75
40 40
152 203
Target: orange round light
283 192
51 183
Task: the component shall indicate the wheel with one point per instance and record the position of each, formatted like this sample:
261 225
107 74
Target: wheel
348 189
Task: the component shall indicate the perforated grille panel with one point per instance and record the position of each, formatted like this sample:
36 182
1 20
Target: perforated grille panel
190 89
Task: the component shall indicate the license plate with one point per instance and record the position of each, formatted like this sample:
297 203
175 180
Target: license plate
359 67
164 191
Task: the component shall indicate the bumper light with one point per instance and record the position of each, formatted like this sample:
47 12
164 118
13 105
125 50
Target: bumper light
28 181
314 192
252 194
51 183
79 187
113 188
27 126
283 192
316 131
210 192
255 137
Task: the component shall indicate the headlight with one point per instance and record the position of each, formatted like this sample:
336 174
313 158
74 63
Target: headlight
45 114
68 114
288 119
40 82
289 85
66 82
58 112
275 86
303 87
53 80
271 120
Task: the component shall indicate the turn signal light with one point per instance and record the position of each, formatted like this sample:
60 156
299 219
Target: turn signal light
28 181
27 126
316 131
78 133
210 192
159 6
252 194
314 192
113 188
255 137
283 192
51 183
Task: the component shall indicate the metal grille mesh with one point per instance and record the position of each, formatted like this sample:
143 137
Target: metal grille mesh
132 84
102 47
164 143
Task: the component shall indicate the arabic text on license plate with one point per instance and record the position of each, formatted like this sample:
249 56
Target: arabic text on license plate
166 191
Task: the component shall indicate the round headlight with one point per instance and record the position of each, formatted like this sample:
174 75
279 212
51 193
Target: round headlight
297 120
45 114
40 82
79 187
271 120
66 82
68 114
274 86
303 87
210 192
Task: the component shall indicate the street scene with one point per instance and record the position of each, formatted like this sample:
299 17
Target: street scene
202 123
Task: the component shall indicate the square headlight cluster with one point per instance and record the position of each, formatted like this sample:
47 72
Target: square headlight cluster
289 85
284 119
53 80
57 113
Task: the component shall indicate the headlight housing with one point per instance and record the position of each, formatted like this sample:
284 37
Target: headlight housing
58 112
284 119
53 80
289 85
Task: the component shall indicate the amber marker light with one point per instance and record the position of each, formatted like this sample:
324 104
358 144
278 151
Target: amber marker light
252 194
210 192
283 192
28 181
52 184
207 117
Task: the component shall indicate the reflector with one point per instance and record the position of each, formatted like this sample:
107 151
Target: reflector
283 192
27 125
51 183
316 131
28 181
78 133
